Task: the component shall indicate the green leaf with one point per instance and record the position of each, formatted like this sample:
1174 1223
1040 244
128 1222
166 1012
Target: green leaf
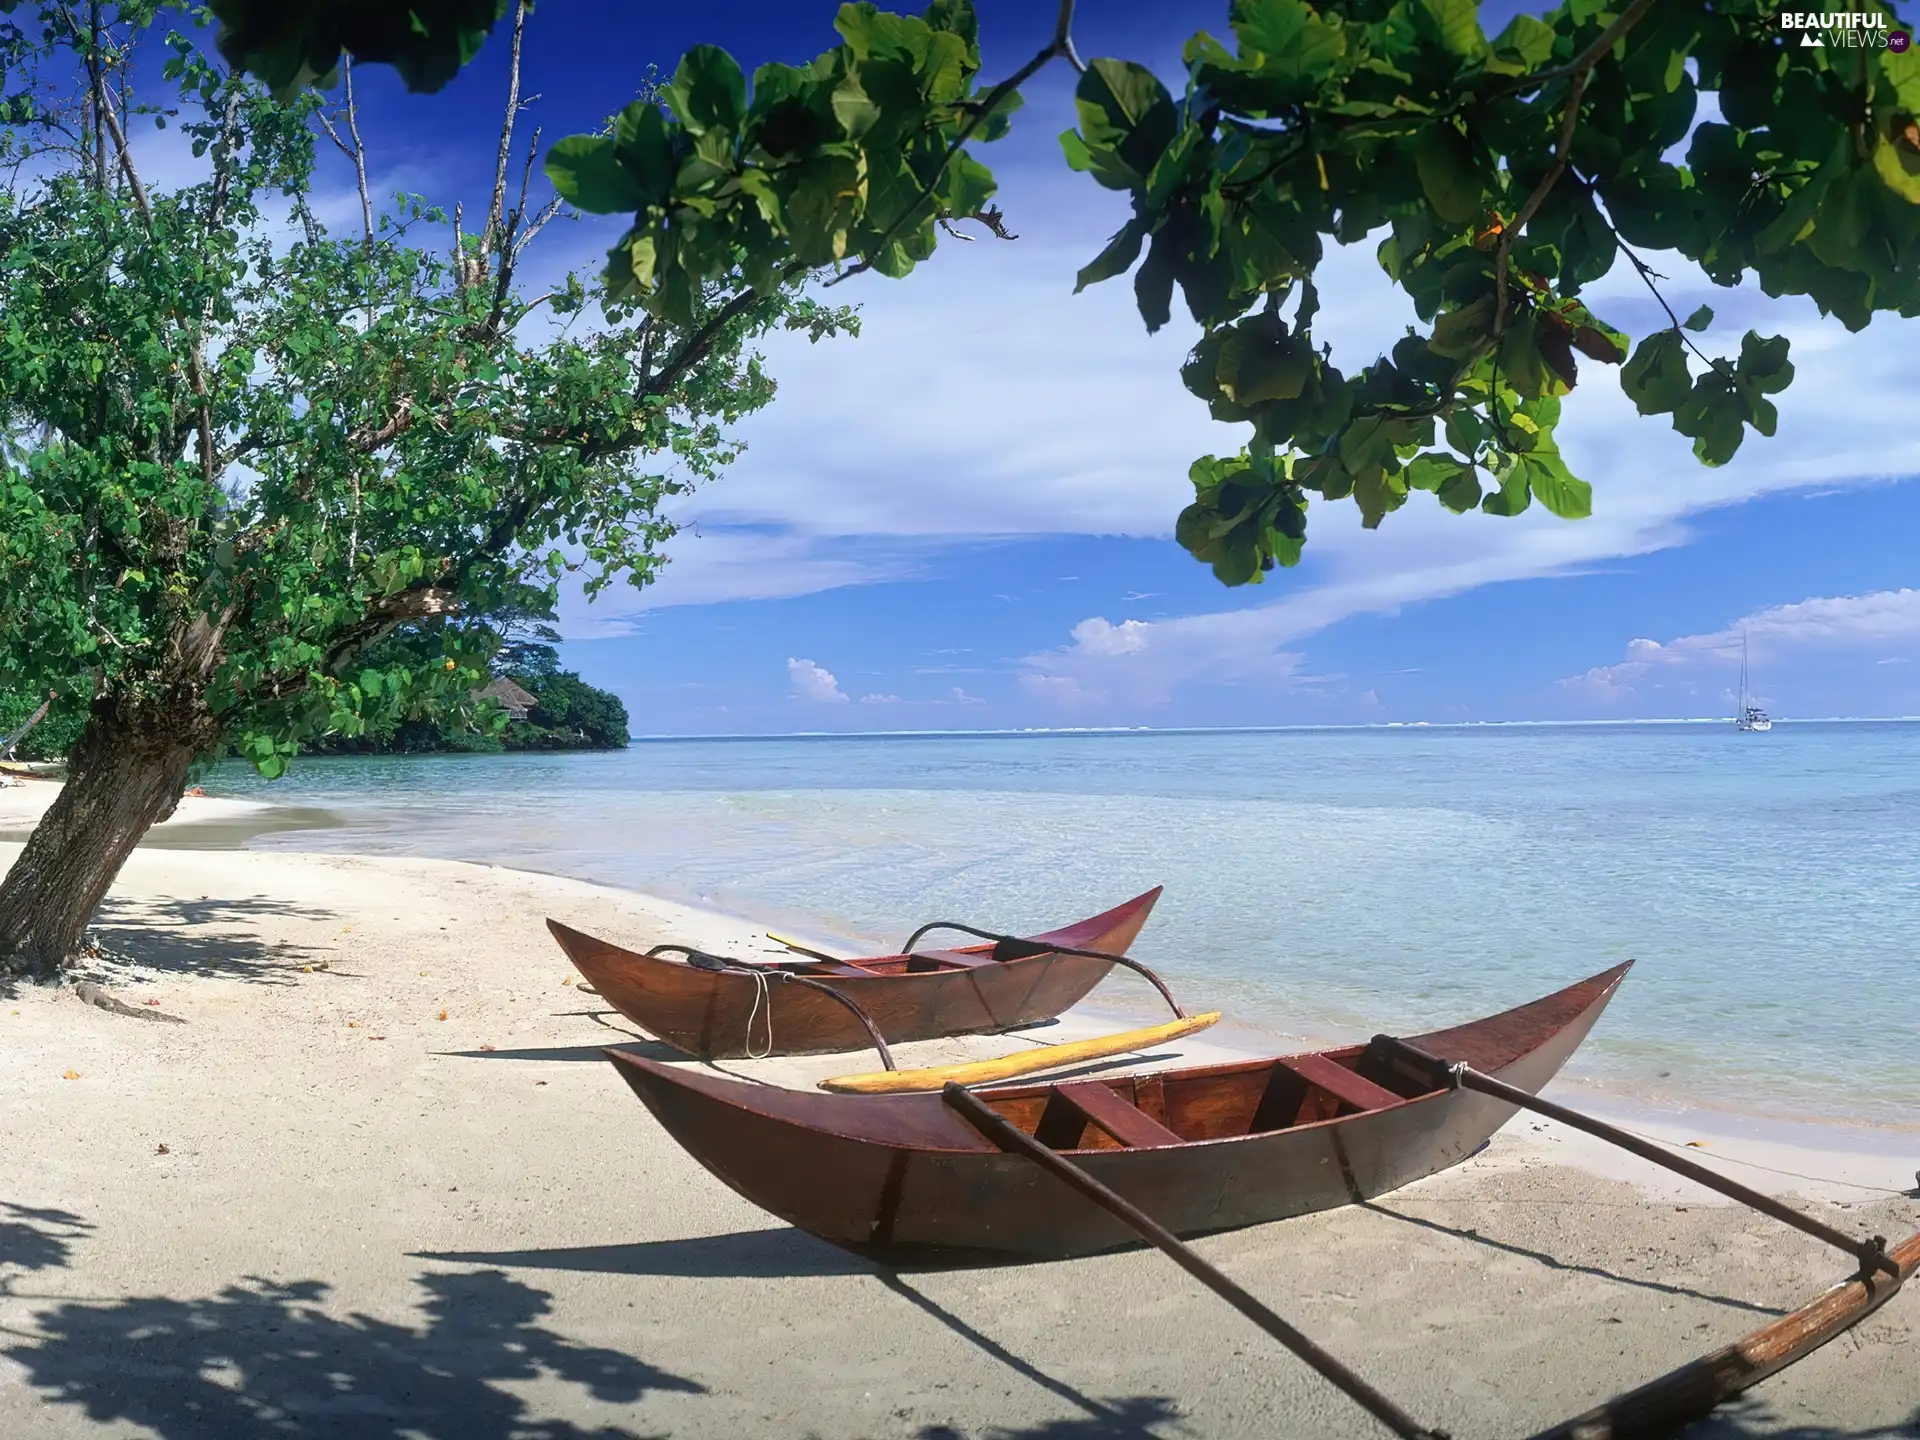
644 143
586 172
1526 44
1452 480
1118 257
1512 497
1459 333
1715 417
708 92
1288 47
1378 494
1657 379
1897 162
1555 487
1126 116
1366 444
1457 23
1521 363
1447 171
1699 320
1260 361
1764 362
821 207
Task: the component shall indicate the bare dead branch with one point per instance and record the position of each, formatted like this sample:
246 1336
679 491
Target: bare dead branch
495 212
359 155
223 153
538 223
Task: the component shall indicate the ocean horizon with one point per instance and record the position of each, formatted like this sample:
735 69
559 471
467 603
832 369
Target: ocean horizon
1615 723
1320 881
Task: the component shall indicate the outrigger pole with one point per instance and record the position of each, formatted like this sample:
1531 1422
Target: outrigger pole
1013 947
1013 1139
1426 1068
1664 1406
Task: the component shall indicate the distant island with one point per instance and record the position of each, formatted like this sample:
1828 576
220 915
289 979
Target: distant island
547 708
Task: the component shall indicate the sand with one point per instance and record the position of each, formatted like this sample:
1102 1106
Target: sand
381 1184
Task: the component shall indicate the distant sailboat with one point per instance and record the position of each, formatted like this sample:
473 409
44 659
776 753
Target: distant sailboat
1751 716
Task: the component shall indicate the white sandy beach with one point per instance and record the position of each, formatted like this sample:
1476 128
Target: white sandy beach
382 1184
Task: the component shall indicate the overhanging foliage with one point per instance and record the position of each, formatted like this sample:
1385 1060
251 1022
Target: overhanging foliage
1497 177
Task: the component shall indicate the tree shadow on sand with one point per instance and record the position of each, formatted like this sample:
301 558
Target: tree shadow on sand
1751 1416
36 1238
264 1359
211 936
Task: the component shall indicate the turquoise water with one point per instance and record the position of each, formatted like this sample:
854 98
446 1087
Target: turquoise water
1319 882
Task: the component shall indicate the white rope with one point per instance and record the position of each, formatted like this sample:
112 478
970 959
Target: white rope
760 998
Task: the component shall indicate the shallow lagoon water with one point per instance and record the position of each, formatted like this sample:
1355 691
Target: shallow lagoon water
1319 882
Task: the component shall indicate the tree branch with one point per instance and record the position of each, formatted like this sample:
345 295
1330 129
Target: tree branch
1059 47
508 250
370 438
1589 57
140 200
196 367
1580 71
1647 276
495 212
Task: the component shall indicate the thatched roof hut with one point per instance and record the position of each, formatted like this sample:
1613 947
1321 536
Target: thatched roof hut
509 696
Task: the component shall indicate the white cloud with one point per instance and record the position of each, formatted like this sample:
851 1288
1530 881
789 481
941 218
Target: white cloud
716 563
812 682
1820 627
985 400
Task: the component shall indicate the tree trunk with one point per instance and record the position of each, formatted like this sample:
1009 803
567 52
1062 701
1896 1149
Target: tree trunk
121 781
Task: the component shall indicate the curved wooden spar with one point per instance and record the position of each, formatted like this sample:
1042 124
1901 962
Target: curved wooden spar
1015 1141
1026 1062
1659 1408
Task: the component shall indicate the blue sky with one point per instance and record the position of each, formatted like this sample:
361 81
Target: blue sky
962 519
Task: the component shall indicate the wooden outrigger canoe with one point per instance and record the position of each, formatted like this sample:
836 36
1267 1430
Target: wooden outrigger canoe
717 1014
1200 1149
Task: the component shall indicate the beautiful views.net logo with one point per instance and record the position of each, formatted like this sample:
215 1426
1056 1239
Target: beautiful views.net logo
1848 29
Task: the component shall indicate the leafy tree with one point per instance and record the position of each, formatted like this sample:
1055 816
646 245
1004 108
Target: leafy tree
1497 176
237 451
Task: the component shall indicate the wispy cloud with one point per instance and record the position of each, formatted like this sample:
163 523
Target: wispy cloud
1821 626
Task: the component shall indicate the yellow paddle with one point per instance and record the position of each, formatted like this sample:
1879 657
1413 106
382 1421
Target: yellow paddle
1046 1057
799 949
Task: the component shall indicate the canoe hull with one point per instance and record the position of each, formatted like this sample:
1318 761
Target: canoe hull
902 1178
709 1015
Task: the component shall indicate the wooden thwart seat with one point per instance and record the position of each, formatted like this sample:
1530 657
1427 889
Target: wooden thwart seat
1124 1121
922 960
1340 1082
